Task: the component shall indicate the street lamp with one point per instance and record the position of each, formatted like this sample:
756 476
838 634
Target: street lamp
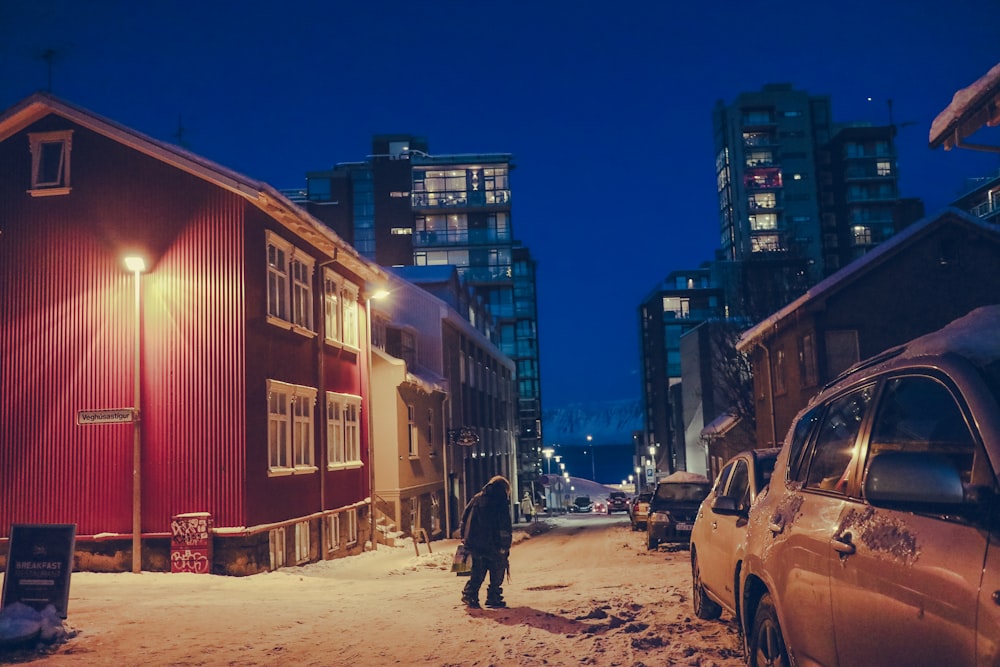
378 293
137 265
548 452
593 466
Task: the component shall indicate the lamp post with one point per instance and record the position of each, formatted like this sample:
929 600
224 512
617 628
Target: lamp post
377 293
137 265
548 452
638 477
593 466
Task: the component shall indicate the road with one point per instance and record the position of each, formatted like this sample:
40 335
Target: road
584 592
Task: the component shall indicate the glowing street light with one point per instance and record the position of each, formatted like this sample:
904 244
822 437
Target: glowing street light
137 265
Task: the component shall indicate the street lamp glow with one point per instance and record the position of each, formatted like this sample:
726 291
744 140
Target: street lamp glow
135 264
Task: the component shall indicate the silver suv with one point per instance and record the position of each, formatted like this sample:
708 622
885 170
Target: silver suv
878 540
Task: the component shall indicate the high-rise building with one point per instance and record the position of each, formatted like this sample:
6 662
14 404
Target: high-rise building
402 206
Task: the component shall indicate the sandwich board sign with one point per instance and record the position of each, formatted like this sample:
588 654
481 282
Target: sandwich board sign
39 563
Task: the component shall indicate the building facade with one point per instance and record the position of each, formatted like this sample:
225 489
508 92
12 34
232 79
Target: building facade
235 361
403 206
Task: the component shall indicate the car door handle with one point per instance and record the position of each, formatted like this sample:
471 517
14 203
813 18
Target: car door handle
776 525
843 545
715 525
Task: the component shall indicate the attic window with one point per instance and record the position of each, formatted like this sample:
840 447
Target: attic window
50 153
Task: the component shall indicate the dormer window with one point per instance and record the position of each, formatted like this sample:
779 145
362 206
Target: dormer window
50 153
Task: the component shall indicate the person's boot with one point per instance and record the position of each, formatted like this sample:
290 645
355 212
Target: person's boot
494 599
470 598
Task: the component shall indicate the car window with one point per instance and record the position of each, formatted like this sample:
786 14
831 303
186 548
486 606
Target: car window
920 414
800 435
720 482
739 486
836 440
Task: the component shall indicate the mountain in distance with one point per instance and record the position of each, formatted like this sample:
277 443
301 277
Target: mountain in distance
608 422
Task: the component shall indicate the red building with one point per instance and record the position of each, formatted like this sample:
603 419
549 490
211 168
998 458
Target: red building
252 352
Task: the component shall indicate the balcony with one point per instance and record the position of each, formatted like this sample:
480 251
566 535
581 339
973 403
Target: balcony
460 237
460 199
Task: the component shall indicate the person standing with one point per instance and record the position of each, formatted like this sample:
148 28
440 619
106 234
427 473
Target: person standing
527 507
486 526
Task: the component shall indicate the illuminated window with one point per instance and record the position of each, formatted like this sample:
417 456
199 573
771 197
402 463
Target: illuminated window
340 309
289 428
677 306
352 526
763 221
343 430
301 542
861 235
413 429
50 152
289 285
883 168
765 243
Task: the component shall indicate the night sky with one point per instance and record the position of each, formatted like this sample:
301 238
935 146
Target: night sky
605 106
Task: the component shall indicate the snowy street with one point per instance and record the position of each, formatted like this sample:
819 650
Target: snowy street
585 592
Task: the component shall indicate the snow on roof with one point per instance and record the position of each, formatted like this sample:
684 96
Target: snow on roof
970 109
859 267
720 426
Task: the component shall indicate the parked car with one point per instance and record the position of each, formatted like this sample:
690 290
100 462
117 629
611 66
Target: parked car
674 506
639 510
581 504
876 541
600 507
720 530
617 502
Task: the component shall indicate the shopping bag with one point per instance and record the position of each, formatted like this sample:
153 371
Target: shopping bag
462 563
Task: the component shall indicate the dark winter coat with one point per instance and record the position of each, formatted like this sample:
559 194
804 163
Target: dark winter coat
486 524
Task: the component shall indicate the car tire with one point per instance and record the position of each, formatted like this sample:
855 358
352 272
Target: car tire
766 643
651 543
704 608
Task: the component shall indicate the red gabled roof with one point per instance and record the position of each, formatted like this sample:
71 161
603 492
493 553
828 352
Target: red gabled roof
260 194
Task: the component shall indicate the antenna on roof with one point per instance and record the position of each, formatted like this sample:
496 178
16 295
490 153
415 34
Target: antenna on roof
180 133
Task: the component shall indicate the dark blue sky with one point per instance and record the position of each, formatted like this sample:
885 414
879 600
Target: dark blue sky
605 106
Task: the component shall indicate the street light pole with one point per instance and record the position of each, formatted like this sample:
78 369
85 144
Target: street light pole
593 466
376 294
137 265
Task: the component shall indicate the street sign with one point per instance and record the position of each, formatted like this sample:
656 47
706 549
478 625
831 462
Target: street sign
464 436
114 416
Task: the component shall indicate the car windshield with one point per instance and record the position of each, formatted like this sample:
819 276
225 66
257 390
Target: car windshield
684 493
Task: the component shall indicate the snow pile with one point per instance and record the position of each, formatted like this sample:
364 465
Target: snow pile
685 477
21 625
973 336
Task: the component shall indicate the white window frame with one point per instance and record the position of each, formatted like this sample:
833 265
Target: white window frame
333 528
343 429
340 310
413 430
352 527
301 542
37 142
435 514
276 545
291 428
289 286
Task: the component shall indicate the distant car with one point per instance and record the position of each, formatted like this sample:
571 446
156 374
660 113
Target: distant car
674 506
582 504
876 542
638 510
617 502
600 507
720 529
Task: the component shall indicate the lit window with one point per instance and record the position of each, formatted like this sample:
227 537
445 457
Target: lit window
343 430
340 309
413 430
289 428
861 235
883 168
401 231
289 285
301 542
50 152
333 529
764 243
352 526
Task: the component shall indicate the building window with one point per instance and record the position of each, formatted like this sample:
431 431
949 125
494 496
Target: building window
343 432
289 285
779 371
807 361
412 429
765 243
352 527
50 152
435 514
289 428
677 307
861 235
763 221
333 529
301 542
340 309
414 513
276 545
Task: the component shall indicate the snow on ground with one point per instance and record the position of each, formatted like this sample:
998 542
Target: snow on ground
583 591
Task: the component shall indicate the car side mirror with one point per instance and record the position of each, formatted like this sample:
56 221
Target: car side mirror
726 506
913 479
